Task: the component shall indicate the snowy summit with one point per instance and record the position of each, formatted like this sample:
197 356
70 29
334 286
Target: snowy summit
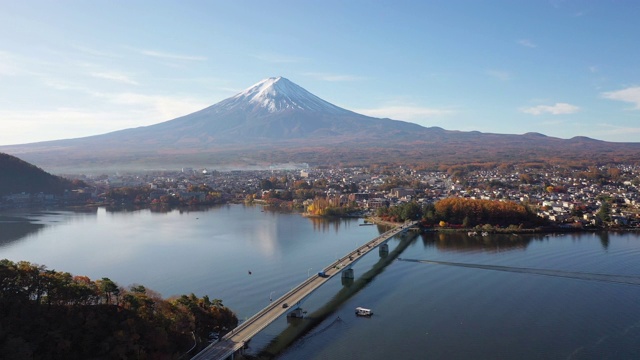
277 94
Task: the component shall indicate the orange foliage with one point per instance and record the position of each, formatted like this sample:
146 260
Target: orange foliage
477 212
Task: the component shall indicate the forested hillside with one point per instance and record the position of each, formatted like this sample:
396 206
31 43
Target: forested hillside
17 176
48 314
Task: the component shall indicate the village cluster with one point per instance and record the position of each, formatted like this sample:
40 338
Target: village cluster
563 195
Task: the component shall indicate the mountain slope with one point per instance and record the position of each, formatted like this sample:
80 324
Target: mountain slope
274 109
17 176
276 120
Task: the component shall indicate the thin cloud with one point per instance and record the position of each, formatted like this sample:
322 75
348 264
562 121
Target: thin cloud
620 130
60 123
159 107
94 52
556 109
610 132
527 43
333 77
630 94
58 84
169 56
499 74
581 13
140 106
405 112
114 76
9 64
133 110
278 58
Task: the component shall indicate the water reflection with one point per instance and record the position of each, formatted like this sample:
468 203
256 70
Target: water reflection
20 226
326 224
160 208
266 236
461 242
604 239
17 228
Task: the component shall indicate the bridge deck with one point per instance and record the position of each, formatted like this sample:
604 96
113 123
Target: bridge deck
235 340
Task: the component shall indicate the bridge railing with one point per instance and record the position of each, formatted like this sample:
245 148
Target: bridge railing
386 235
268 308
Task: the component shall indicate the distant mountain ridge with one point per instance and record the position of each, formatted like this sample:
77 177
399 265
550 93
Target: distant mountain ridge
277 121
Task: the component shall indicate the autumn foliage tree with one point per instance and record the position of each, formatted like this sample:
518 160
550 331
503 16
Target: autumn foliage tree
472 212
329 206
48 314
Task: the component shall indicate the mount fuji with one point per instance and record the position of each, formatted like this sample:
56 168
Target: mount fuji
277 121
276 110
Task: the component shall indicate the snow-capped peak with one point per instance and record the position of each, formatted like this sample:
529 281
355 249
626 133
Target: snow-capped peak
279 94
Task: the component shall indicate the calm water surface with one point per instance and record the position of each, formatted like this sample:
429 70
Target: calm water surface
435 310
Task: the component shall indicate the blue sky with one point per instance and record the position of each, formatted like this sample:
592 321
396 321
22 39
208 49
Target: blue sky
562 68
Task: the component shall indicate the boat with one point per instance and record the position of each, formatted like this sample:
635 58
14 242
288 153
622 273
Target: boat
360 311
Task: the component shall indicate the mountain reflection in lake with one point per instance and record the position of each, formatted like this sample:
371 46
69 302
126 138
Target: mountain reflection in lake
16 228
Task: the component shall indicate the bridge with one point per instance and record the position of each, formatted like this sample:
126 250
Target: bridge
235 340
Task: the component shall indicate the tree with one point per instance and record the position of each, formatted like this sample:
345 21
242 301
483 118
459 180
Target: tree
614 173
266 184
108 288
477 212
216 303
526 179
430 216
73 323
410 211
29 278
301 184
604 213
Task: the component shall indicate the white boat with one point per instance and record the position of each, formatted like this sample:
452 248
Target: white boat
360 311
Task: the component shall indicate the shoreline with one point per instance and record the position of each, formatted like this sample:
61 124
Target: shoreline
505 231
371 219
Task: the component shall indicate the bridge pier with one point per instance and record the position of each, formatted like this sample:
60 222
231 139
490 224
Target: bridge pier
347 273
347 277
347 281
383 250
296 313
237 352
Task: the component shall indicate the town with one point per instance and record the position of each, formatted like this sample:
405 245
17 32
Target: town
566 196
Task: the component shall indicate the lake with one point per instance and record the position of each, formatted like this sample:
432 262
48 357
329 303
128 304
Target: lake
436 295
